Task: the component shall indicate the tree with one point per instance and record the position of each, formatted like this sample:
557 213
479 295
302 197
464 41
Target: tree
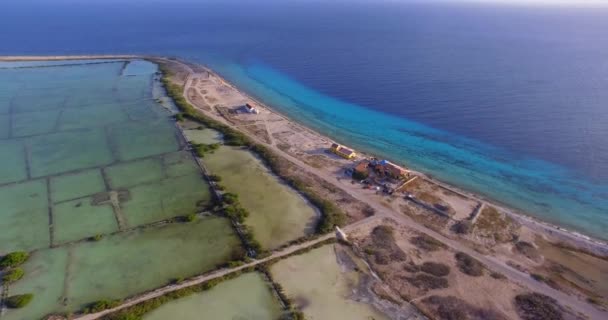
13 259
13 275
360 175
19 301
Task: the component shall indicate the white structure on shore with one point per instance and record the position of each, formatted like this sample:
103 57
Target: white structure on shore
341 235
251 109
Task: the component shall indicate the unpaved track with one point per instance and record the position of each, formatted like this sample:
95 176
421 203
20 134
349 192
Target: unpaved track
494 264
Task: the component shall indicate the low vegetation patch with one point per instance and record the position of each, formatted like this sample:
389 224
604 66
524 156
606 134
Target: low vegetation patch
452 308
427 243
435 268
495 225
18 301
202 149
101 305
215 178
462 227
468 265
536 306
13 259
527 249
383 236
97 237
427 282
498 276
13 275
383 247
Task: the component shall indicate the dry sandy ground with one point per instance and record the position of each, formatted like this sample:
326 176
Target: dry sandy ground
497 235
489 295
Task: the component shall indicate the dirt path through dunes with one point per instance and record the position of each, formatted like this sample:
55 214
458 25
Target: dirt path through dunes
491 262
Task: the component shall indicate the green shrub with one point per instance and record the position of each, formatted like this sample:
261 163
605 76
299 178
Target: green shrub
13 259
179 117
538 277
18 301
177 280
230 198
358 175
13 275
201 149
101 305
215 177
97 237
236 212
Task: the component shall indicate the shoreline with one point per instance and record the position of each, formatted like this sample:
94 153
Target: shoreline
588 242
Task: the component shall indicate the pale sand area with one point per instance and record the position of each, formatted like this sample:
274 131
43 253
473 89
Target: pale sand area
213 95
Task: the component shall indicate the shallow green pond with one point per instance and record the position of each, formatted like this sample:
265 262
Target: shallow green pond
321 288
121 265
85 150
76 132
245 297
278 214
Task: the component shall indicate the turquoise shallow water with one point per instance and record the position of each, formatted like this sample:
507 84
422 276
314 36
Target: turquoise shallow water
524 84
542 189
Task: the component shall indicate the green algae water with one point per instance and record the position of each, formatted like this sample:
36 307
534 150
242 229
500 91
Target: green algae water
67 278
77 132
87 153
322 289
278 214
245 297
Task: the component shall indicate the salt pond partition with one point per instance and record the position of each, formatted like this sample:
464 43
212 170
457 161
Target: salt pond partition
86 152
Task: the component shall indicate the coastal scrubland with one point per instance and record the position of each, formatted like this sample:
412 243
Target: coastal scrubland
445 284
215 189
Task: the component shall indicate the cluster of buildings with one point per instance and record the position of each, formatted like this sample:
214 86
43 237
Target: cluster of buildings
382 169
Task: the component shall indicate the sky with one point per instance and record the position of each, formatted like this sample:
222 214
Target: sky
514 2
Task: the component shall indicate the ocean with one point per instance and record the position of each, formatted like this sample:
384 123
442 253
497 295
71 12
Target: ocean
508 101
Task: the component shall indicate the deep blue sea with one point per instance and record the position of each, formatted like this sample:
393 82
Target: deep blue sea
509 101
